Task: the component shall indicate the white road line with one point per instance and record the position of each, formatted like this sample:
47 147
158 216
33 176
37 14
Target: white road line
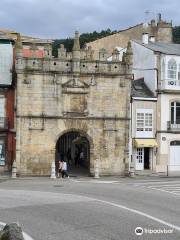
25 235
95 181
121 207
166 185
172 188
157 183
163 190
141 213
133 211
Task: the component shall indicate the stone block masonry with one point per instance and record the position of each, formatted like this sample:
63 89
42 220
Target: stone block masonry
74 92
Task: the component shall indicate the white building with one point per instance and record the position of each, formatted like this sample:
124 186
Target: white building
143 115
159 64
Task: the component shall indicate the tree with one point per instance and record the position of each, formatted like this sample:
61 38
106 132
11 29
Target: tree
84 38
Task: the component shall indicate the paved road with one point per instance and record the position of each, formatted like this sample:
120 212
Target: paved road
105 209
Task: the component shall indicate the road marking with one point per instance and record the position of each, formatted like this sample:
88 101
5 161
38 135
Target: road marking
163 190
155 183
166 185
168 188
25 235
95 181
132 211
113 205
140 213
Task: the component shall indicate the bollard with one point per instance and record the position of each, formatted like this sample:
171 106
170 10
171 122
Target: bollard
14 170
53 170
132 171
96 170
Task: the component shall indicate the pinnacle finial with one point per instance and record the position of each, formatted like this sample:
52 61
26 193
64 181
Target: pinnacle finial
129 49
76 46
18 44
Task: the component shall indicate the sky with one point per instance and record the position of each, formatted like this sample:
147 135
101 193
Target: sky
60 18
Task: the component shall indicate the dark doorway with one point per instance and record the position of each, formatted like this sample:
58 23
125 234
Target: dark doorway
74 148
146 158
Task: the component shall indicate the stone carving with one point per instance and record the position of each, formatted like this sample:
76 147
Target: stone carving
75 83
36 124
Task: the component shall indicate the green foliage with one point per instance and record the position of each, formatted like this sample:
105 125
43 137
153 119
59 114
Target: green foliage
84 38
89 37
176 34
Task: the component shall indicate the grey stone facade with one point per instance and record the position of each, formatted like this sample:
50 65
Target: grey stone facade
74 92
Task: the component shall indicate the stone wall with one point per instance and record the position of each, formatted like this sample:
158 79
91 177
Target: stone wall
55 96
162 31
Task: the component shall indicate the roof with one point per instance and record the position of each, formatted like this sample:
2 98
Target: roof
166 48
25 39
140 89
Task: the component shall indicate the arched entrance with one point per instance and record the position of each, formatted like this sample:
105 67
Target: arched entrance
74 147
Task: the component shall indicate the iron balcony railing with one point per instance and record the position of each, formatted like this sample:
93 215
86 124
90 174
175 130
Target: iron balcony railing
173 126
3 123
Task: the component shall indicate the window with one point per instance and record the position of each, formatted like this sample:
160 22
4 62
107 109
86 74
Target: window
140 155
140 121
2 152
163 70
144 123
175 112
172 68
2 111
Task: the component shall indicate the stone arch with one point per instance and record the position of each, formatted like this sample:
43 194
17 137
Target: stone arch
83 134
80 131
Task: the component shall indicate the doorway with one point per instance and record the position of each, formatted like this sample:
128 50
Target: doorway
146 158
74 148
143 158
174 161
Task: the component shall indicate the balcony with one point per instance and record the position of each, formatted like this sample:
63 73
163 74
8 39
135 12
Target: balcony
173 126
170 84
3 123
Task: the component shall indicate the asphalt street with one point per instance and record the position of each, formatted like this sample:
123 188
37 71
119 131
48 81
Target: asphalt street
89 209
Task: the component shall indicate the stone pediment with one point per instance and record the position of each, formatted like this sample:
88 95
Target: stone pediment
75 83
75 86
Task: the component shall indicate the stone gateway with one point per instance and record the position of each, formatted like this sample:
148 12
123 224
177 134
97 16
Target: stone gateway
70 105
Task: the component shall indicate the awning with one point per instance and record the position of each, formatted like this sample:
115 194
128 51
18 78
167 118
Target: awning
145 143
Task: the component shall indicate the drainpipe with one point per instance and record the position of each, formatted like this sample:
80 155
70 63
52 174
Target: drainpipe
131 163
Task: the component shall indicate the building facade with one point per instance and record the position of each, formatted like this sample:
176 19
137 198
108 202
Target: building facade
160 29
143 117
7 132
70 104
159 63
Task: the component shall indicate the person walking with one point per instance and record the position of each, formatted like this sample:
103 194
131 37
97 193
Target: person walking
81 158
64 169
59 167
68 155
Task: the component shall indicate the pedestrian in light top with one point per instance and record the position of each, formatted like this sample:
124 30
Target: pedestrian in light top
64 170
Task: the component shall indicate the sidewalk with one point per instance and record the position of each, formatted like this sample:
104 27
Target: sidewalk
80 176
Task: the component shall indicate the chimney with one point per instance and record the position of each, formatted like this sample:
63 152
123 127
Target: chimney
159 17
145 38
153 23
152 38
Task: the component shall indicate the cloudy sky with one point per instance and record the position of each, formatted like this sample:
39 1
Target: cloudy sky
59 18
